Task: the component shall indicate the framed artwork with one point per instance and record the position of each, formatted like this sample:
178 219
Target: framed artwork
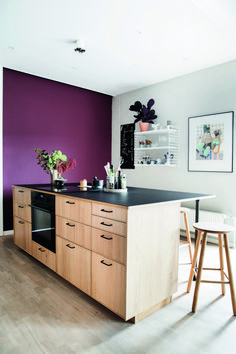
210 142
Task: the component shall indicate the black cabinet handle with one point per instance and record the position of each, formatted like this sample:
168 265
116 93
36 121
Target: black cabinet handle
70 202
68 245
106 238
41 249
20 206
21 222
20 191
106 211
71 225
108 265
103 223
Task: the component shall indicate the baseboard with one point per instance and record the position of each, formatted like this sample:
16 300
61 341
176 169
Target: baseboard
5 233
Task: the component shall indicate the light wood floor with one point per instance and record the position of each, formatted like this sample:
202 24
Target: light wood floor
42 313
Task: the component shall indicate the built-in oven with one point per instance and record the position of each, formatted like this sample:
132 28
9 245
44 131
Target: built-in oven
43 219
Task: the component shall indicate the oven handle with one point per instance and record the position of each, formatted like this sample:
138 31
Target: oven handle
42 209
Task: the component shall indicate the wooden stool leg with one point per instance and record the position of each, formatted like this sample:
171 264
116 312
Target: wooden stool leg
188 237
221 263
230 274
194 261
199 273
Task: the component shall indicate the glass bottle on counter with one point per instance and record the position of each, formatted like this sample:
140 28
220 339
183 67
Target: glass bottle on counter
112 177
119 183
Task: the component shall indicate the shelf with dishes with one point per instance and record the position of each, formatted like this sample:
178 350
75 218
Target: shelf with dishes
156 147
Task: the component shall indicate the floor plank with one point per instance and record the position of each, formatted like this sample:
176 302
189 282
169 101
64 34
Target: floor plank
42 313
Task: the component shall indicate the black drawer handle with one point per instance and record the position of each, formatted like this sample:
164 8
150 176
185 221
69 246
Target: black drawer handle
106 238
70 202
103 223
71 225
68 245
20 191
21 222
106 211
20 206
108 265
41 249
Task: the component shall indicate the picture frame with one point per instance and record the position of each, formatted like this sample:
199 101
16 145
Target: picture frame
210 142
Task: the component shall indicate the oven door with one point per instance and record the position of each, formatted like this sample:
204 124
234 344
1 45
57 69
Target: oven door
43 227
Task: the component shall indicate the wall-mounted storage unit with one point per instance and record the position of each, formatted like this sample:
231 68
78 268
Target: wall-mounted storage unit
156 148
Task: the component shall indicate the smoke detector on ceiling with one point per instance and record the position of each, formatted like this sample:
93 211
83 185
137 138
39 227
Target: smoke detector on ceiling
79 46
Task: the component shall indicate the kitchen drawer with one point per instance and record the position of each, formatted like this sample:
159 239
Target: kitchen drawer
22 234
108 283
109 245
74 264
22 211
109 211
74 209
44 255
74 231
109 225
22 195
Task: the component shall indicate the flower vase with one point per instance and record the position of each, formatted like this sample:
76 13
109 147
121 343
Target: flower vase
54 176
144 126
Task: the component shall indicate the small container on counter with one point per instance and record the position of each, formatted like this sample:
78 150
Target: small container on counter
123 186
83 184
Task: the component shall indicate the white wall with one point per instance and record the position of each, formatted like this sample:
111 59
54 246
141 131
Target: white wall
1 155
207 91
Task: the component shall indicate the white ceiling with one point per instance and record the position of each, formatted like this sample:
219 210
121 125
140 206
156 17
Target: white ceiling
129 43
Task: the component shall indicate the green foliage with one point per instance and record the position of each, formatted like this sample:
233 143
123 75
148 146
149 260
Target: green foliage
50 161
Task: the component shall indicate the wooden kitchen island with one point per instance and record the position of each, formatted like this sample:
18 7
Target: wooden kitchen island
119 248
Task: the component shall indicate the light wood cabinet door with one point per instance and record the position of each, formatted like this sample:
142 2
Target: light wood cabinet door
74 231
109 245
74 209
44 255
74 264
22 234
22 195
108 283
110 211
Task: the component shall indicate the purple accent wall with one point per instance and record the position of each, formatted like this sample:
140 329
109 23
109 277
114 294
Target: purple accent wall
50 115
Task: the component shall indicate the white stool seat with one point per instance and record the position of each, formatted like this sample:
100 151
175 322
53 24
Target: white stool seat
213 228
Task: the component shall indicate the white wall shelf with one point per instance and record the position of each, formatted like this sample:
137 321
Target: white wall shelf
150 148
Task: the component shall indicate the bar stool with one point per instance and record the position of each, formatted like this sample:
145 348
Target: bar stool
184 211
220 229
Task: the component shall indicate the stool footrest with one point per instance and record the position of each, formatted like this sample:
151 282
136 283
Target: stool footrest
226 275
215 281
211 269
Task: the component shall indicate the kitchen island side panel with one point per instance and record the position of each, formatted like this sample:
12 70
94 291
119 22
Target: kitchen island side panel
152 256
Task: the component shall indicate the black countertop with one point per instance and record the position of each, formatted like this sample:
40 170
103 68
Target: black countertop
133 197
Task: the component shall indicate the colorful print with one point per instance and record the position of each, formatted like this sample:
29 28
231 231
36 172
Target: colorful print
209 142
